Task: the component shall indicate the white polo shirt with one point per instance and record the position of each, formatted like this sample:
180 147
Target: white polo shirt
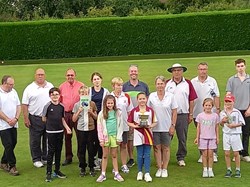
163 110
183 93
8 105
203 91
36 97
124 103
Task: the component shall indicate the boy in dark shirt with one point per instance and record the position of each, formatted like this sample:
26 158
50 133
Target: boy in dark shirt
53 115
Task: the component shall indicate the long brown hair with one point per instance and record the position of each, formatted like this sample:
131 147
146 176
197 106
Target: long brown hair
105 109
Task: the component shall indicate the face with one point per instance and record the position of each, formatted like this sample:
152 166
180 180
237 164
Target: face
70 76
142 100
208 106
160 85
177 73
40 76
55 96
97 81
110 104
228 104
241 68
117 87
9 84
133 73
202 70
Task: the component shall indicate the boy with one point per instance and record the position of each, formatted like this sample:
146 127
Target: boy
231 121
85 112
53 115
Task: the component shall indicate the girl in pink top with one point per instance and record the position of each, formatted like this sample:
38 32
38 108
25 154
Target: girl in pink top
207 136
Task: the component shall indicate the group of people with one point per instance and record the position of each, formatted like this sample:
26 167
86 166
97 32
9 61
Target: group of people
129 116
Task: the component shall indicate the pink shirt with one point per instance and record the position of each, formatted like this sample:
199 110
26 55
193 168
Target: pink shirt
70 94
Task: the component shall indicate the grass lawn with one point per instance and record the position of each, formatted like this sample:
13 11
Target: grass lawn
220 67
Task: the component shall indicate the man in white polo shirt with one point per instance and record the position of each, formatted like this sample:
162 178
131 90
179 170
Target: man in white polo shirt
185 95
10 109
35 96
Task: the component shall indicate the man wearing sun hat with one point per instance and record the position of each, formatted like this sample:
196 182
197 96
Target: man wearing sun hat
185 95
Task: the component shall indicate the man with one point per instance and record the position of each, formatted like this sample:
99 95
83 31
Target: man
205 87
35 96
133 87
239 86
69 96
10 109
185 95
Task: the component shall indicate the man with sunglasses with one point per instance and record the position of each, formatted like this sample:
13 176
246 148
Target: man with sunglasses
69 96
239 86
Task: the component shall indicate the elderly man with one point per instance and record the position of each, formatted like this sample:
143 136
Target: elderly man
239 86
133 87
185 95
69 96
205 87
35 96
10 109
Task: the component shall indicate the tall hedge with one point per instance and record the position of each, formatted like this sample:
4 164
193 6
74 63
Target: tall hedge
200 32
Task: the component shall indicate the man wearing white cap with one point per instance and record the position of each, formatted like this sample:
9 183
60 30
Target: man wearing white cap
185 95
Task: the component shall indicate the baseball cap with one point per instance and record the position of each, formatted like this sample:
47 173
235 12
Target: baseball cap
229 97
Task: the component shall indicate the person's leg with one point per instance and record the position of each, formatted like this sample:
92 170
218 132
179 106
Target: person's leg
165 156
210 158
58 150
146 154
245 136
90 147
105 151
227 159
44 144
51 151
139 149
205 158
114 158
68 137
130 148
124 152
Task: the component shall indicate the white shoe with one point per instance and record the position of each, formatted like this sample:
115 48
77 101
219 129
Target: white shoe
200 160
245 158
158 173
205 174
139 176
38 164
181 163
164 173
147 177
210 174
215 157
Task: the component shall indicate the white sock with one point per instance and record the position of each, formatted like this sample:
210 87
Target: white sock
103 173
205 169
210 169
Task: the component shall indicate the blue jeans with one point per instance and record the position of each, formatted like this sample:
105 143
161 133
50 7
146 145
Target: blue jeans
143 157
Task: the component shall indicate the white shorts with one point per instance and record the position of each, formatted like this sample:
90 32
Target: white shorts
232 141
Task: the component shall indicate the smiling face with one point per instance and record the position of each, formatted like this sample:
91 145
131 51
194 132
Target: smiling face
177 73
160 85
40 76
208 107
97 81
110 104
70 76
133 72
55 96
9 84
202 70
142 99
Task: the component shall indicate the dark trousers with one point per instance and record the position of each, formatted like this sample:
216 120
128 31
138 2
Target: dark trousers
68 137
9 141
38 138
55 142
85 142
97 147
245 134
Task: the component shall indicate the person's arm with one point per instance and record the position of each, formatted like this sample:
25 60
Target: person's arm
173 121
217 133
4 117
15 119
26 115
191 108
66 126
76 115
217 104
196 141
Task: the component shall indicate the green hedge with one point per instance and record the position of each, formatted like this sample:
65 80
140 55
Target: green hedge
200 32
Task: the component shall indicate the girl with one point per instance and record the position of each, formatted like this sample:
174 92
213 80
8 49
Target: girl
207 136
110 129
142 118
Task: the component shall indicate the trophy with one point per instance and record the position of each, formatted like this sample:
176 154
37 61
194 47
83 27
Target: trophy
143 120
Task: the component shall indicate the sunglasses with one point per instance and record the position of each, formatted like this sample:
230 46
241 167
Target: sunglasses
70 75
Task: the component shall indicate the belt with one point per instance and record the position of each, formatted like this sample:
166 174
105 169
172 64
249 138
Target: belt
69 112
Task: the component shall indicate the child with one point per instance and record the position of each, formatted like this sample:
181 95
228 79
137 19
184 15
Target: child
53 115
231 121
143 138
110 129
85 116
207 136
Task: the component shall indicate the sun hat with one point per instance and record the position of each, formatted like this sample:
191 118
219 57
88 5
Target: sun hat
176 66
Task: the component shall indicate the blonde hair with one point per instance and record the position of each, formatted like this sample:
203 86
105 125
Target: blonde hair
116 80
84 89
208 100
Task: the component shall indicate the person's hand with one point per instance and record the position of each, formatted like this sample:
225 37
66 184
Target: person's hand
80 109
224 120
190 118
171 130
217 141
102 144
196 141
247 113
69 131
27 122
12 122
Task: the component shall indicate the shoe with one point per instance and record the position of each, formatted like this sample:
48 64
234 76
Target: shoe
215 158
82 172
164 173
237 174
66 162
210 174
130 163
48 177
200 160
13 171
233 159
101 178
118 178
158 173
59 174
205 174
125 169
147 177
245 158
5 167
228 173
92 172
38 164
181 163
139 176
